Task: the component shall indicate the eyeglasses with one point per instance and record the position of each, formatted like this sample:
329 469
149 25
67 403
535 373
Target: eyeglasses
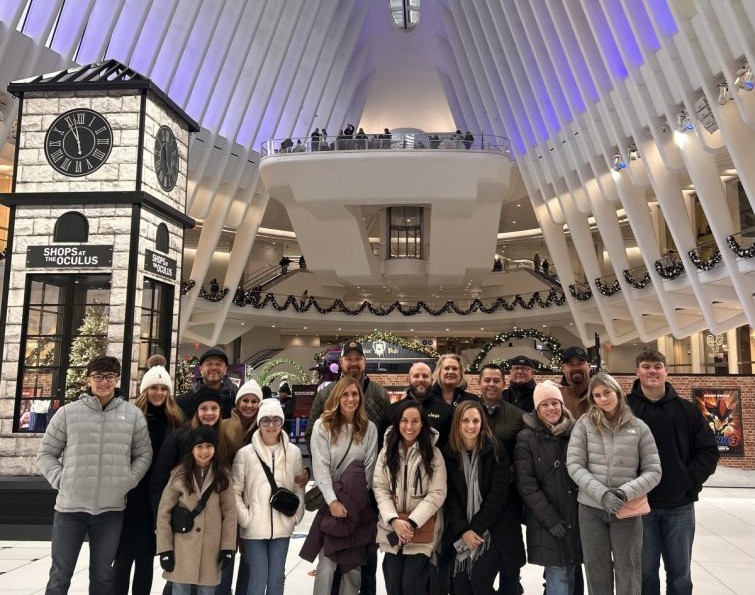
101 377
267 421
520 368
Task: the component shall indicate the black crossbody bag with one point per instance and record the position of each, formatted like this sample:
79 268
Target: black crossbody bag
281 499
182 519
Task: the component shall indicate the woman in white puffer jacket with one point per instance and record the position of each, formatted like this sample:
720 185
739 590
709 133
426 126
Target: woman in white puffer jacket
266 532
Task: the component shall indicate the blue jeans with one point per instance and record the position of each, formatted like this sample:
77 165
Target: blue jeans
267 565
185 589
668 533
68 532
559 580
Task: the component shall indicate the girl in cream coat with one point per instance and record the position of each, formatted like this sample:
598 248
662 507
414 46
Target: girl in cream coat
265 531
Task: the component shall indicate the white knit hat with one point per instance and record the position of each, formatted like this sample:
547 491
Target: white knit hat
270 408
547 389
156 376
250 387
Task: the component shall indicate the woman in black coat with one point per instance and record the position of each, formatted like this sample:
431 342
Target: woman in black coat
137 543
476 522
548 491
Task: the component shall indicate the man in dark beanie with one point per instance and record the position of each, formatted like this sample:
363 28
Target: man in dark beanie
521 383
213 365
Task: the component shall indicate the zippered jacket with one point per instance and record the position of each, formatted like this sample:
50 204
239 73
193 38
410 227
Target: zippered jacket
256 517
416 493
94 456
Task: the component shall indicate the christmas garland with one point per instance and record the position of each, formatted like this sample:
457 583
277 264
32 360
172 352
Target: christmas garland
608 290
641 284
390 338
738 250
266 375
671 272
187 286
550 343
301 305
580 295
219 295
705 265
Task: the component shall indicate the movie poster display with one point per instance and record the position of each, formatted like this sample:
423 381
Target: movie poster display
722 409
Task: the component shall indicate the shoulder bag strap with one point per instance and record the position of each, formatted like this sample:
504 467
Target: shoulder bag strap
202 502
268 472
348 448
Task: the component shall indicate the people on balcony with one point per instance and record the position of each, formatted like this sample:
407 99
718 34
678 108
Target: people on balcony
299 148
315 136
468 140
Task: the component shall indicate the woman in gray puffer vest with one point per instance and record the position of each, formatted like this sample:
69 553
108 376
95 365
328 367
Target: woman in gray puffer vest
612 457
547 491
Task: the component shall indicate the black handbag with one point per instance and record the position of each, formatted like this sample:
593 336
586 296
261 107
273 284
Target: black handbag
281 499
182 519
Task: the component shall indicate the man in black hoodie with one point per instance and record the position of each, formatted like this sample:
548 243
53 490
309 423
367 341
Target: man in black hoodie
689 456
439 412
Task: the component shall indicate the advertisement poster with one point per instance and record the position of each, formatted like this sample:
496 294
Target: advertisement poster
722 409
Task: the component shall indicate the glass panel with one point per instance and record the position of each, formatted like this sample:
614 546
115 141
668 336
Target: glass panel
42 353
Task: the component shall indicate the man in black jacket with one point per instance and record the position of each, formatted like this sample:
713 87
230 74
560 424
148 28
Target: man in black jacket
213 365
439 412
689 456
521 384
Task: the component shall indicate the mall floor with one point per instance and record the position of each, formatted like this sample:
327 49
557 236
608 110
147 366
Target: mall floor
723 556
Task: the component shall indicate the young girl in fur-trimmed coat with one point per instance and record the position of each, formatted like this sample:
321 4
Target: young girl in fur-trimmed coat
195 558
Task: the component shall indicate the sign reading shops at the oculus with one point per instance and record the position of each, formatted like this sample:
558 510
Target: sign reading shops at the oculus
159 264
69 257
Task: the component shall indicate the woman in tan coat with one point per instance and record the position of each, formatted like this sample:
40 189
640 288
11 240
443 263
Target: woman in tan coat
410 480
195 557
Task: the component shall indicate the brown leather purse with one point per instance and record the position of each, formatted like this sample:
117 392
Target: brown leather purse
423 534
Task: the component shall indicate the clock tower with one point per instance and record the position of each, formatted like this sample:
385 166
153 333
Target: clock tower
98 213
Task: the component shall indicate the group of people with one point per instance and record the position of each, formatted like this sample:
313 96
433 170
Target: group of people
439 481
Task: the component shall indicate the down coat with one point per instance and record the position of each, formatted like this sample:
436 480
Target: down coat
416 493
214 530
94 456
548 492
625 458
256 517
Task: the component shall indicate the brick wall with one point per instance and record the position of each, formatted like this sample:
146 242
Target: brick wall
683 385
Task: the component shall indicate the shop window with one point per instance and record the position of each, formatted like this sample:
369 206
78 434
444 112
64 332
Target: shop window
156 321
65 325
162 239
405 232
71 227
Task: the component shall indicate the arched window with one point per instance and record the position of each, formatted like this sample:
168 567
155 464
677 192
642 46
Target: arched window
71 227
162 240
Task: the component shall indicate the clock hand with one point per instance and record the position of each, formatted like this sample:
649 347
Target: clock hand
75 131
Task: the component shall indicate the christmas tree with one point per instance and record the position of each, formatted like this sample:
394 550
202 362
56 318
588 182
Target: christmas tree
90 342
184 374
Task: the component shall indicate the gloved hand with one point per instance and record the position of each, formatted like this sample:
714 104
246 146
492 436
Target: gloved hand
619 494
168 561
611 502
558 530
225 557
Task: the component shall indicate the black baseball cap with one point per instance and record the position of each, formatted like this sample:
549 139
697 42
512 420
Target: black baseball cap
352 346
213 352
521 360
575 351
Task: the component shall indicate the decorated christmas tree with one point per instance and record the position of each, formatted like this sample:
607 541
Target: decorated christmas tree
90 342
184 374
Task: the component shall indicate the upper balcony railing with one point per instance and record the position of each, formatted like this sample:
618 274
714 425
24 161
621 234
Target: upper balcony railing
398 141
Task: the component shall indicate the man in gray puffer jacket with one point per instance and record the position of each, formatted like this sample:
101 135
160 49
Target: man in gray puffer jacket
94 451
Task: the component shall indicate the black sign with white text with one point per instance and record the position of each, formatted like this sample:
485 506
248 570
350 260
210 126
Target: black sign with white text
159 264
69 257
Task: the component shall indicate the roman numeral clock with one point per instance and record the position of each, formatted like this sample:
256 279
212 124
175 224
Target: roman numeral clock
98 214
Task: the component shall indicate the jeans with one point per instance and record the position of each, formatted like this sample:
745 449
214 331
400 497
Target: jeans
326 568
603 535
68 532
559 580
668 533
184 589
267 565
406 575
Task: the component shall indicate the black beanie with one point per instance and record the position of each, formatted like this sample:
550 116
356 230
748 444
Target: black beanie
205 394
201 435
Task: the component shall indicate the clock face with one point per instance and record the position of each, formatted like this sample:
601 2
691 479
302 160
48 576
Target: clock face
166 158
78 142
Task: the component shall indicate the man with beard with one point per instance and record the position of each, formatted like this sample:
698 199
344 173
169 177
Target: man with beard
576 370
689 456
376 401
521 384
505 420
213 365
439 412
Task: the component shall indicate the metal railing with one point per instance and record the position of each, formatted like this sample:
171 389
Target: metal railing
399 141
